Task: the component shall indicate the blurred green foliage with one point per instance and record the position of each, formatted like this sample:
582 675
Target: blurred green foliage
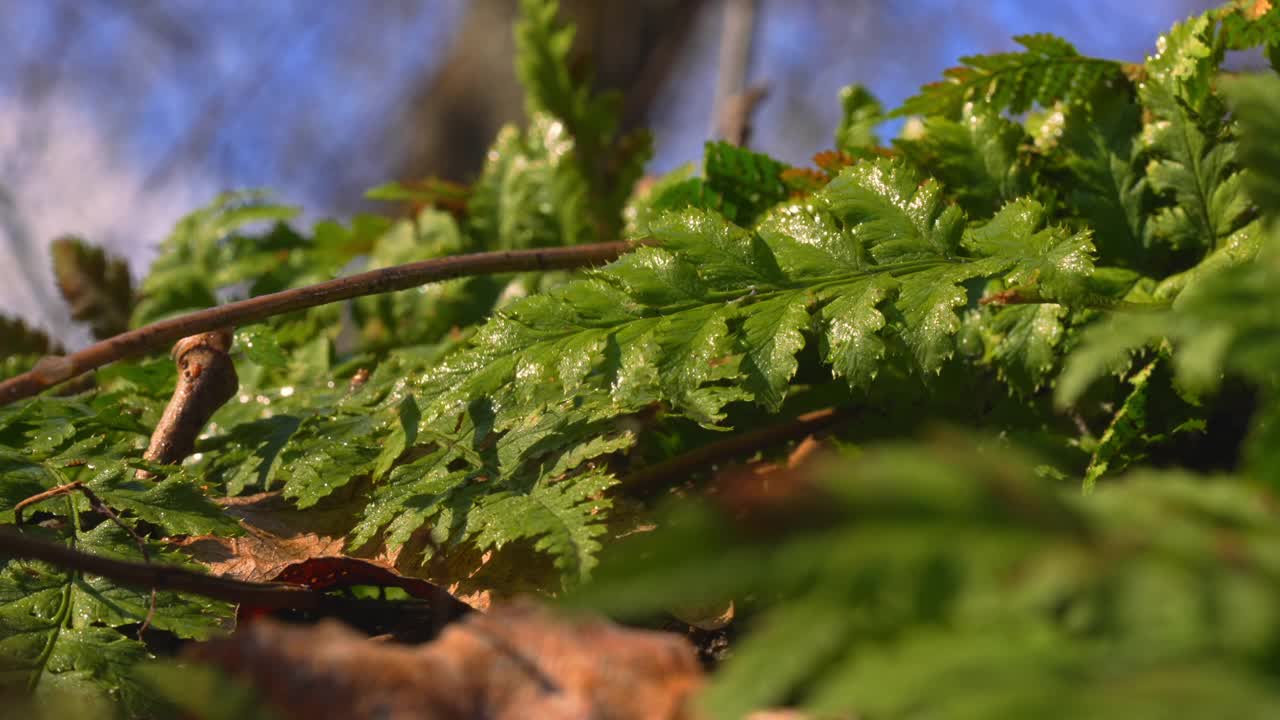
1071 256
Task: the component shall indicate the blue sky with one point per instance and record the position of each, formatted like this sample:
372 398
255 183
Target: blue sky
117 116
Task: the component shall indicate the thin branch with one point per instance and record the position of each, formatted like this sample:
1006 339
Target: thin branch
206 381
659 476
53 370
272 596
41 497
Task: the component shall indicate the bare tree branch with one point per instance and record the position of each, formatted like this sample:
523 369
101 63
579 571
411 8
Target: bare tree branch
162 577
51 370
731 82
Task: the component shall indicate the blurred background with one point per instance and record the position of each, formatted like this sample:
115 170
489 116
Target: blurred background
119 116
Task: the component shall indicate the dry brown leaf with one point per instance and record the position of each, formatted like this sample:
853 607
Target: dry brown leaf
710 616
277 534
519 661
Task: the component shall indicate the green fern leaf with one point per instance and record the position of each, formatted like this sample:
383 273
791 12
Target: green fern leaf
173 504
489 500
1106 183
771 336
1240 248
1218 325
607 166
909 558
977 158
746 183
860 113
1025 341
181 278
715 314
1193 162
1256 102
426 314
58 627
1262 448
1050 70
1243 28
529 194
249 455
873 234
1219 322
543 64
1128 421
19 339
557 515
96 286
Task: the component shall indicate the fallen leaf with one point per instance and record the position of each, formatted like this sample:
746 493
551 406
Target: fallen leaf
518 661
277 535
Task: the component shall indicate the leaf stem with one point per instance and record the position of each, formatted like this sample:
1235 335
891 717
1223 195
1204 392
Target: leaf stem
158 335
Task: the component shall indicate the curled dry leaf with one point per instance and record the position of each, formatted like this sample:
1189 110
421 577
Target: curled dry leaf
277 534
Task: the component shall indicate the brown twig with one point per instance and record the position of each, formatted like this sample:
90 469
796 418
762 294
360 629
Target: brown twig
206 380
51 371
655 478
268 596
736 113
41 497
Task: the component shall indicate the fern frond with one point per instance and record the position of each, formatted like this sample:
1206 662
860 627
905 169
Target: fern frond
1023 342
543 48
1048 71
1256 102
183 276
1222 318
1128 422
608 165
531 193
426 314
61 629
18 338
96 286
900 552
746 183
1105 180
715 295
64 629
976 158
1193 153
535 484
872 266
737 183
953 581
860 113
